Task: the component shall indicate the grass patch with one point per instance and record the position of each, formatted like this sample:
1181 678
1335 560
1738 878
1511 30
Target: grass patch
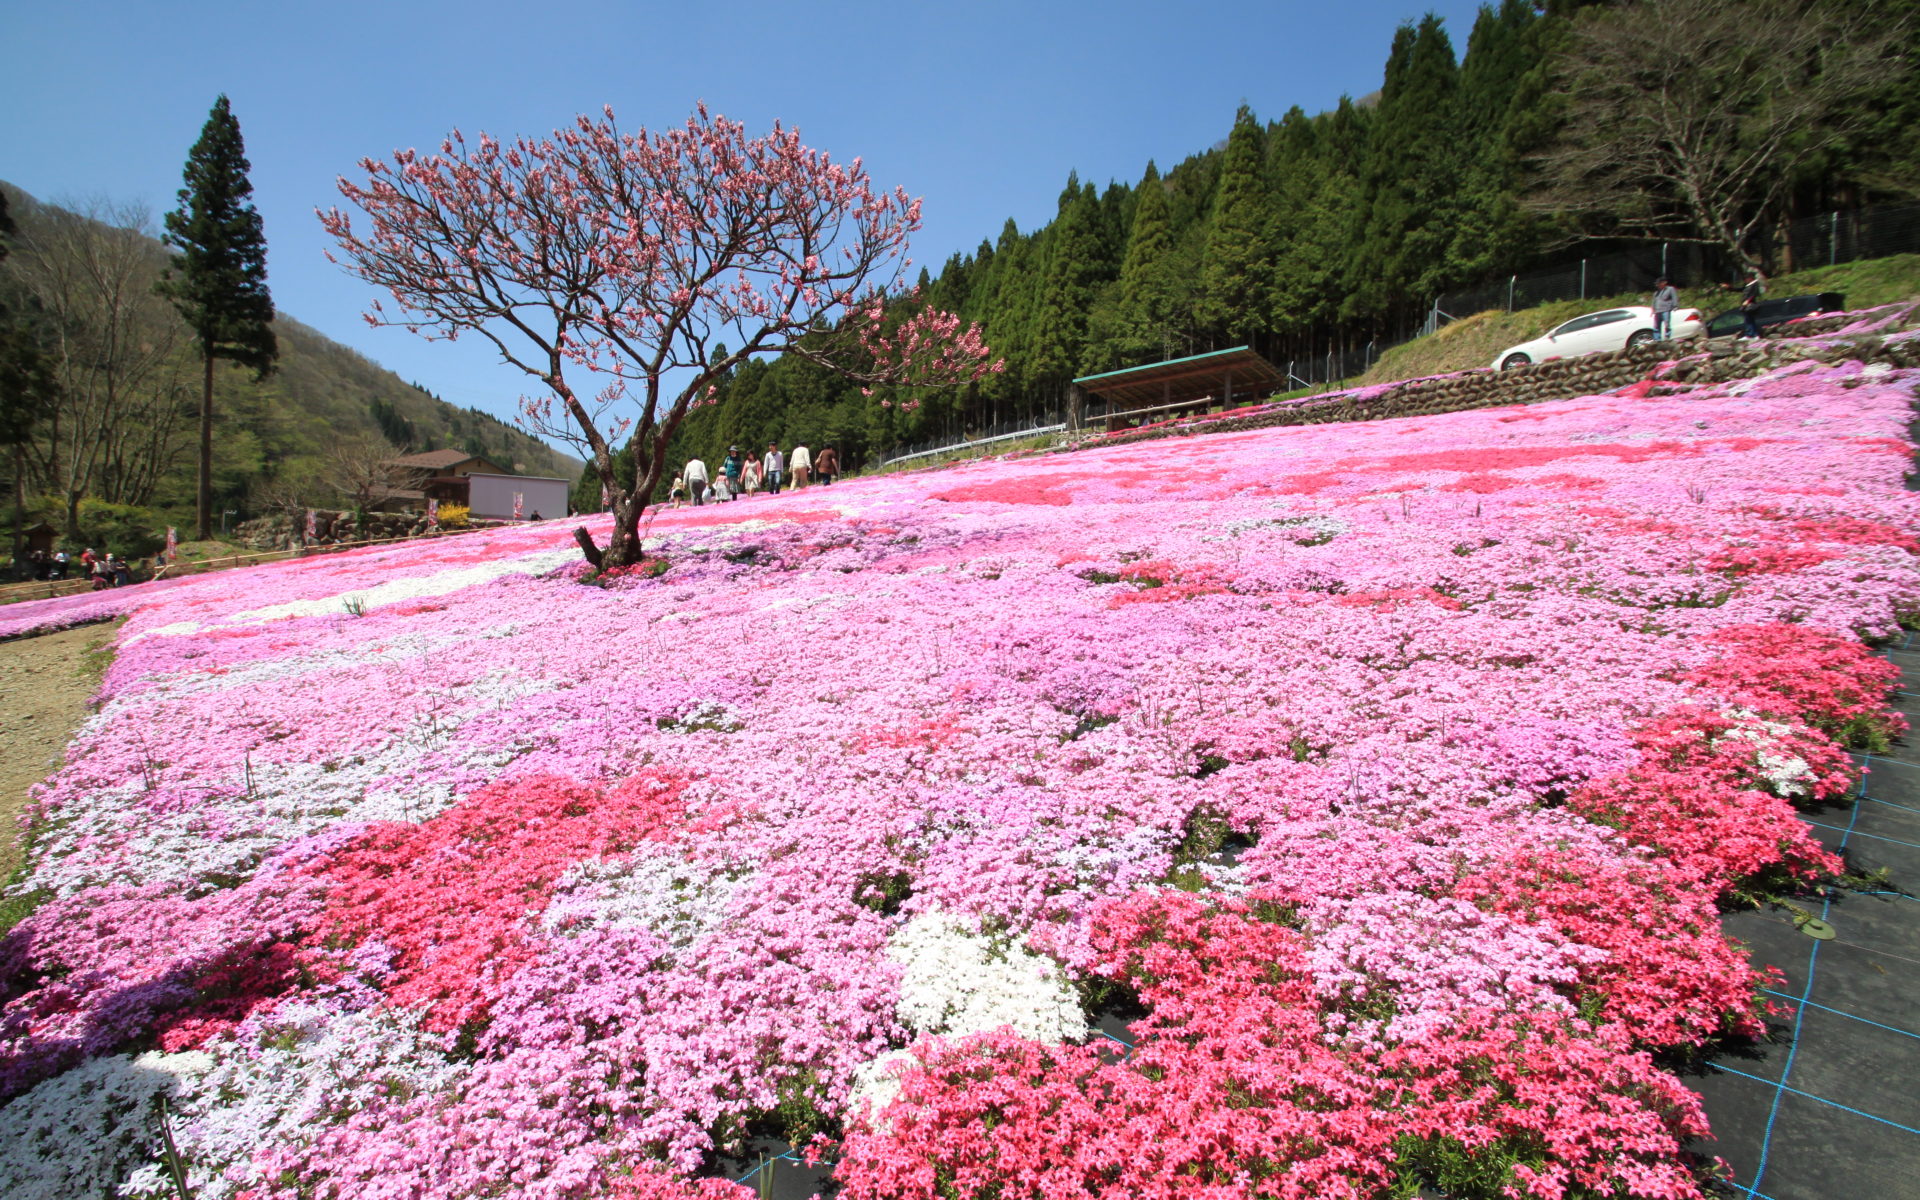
1473 340
98 654
1044 441
15 909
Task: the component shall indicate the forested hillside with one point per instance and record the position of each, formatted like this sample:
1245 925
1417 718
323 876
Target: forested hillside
111 440
1316 232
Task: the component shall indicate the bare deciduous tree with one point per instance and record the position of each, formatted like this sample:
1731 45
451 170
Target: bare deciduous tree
1686 119
611 267
361 471
114 345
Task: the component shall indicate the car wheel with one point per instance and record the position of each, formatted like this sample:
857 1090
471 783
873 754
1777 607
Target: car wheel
1514 360
1640 338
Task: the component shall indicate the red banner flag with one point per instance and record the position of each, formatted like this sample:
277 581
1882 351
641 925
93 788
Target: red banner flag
433 514
519 503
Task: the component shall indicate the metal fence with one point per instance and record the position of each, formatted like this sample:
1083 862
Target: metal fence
1824 240
1335 365
1818 241
961 439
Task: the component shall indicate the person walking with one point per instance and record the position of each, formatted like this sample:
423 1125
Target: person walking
695 473
1749 299
1666 298
677 494
754 477
801 462
733 467
827 465
61 564
775 466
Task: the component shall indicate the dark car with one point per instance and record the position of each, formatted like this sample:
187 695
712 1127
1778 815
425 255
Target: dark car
1774 312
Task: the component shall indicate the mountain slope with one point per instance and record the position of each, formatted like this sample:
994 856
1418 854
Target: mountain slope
271 438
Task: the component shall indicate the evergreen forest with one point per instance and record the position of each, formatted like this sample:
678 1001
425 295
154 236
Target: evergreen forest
1538 139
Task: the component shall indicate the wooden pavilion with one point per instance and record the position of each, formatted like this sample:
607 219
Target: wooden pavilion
1178 387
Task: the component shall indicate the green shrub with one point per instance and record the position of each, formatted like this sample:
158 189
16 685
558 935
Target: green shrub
127 530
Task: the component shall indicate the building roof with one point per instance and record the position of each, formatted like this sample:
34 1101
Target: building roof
1183 379
436 460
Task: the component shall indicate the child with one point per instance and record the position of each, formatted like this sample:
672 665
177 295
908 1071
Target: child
677 494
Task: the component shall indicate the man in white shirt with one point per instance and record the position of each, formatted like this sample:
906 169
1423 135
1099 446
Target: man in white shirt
802 464
696 477
774 465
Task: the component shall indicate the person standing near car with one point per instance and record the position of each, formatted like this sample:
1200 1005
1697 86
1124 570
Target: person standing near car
1666 298
1749 298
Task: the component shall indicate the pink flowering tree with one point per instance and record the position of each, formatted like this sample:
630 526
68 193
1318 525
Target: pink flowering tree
615 268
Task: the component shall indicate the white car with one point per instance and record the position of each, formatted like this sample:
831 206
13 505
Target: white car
1614 329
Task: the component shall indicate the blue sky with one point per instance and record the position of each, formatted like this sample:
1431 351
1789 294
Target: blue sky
979 108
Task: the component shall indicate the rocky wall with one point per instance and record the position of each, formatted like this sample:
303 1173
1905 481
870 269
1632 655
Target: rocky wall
1890 335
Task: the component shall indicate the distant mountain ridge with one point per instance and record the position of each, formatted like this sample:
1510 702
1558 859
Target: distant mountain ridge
321 393
339 384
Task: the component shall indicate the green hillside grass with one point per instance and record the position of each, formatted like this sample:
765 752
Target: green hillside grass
1473 341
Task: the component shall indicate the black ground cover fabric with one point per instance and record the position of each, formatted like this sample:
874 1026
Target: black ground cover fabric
1828 1107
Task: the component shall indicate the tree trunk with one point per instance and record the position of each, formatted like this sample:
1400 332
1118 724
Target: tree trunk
587 548
623 548
19 505
206 450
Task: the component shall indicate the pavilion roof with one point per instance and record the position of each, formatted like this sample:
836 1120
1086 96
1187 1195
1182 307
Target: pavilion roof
1188 378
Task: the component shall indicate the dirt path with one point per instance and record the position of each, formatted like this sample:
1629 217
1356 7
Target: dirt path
45 683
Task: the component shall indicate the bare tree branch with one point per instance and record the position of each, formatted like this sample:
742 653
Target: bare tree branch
1686 119
610 266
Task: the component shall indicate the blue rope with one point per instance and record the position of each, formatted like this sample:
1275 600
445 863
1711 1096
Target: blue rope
1849 829
1850 1016
1891 804
1800 1013
788 1155
1817 1099
1898 762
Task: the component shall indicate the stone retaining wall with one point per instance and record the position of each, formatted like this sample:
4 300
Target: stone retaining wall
1704 362
285 531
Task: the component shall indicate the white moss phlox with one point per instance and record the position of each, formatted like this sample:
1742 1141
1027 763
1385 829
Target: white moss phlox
959 981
